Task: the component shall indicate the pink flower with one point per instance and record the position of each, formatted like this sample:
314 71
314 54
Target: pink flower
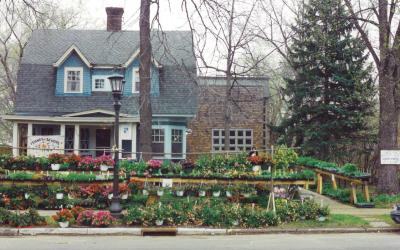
155 164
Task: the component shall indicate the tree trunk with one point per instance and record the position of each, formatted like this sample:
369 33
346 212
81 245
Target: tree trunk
227 113
388 180
145 130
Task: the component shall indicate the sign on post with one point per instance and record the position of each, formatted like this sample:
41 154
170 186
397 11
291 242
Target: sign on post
45 145
390 157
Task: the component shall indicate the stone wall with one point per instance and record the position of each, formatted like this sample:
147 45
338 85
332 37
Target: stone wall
247 112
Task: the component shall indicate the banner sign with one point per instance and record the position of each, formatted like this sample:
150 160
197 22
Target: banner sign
43 145
390 157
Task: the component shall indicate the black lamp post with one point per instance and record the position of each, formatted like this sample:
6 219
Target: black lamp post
117 86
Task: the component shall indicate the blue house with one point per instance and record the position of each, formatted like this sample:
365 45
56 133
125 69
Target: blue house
64 102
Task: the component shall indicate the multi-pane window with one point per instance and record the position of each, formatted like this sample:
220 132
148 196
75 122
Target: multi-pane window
136 81
99 83
177 143
73 80
239 139
158 142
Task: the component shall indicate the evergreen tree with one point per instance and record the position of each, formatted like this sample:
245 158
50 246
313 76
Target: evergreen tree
331 96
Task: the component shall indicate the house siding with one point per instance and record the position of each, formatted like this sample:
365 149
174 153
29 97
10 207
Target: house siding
73 61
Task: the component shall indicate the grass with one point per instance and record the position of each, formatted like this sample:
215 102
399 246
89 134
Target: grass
334 220
386 201
386 218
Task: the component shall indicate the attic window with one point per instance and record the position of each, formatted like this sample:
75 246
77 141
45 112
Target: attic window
100 83
73 80
135 80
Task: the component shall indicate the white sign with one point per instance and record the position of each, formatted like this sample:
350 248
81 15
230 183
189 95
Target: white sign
390 157
167 183
43 145
125 132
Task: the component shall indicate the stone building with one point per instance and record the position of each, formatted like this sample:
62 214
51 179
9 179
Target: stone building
249 111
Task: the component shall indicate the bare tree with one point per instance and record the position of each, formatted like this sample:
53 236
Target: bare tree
145 129
382 17
224 34
19 19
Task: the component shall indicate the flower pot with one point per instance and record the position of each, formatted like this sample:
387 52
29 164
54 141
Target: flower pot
321 218
216 193
256 168
159 222
246 195
100 177
124 196
235 223
59 196
63 224
104 168
202 193
180 193
110 196
228 194
160 192
70 196
145 192
55 166
26 196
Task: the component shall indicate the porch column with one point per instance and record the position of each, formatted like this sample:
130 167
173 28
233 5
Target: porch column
184 135
29 135
76 139
15 139
167 142
62 134
134 140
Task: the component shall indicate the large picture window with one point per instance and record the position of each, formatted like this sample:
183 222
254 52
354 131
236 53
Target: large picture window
239 139
73 80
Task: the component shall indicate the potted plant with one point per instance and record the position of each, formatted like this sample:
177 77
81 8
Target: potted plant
256 161
59 193
230 191
85 218
202 191
160 191
124 191
102 219
179 190
246 190
216 190
160 214
154 166
63 217
104 162
55 161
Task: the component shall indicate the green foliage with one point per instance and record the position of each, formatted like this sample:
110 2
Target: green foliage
386 200
20 176
331 95
30 218
4 216
284 157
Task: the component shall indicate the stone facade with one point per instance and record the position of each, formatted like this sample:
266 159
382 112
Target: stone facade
248 111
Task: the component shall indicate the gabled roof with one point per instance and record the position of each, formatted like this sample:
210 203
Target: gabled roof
135 55
67 53
101 47
94 112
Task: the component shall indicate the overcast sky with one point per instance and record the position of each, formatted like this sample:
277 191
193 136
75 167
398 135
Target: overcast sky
172 17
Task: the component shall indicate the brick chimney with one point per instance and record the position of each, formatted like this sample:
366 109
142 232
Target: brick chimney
114 18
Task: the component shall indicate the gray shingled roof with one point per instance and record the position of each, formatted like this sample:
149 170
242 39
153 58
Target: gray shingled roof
104 47
36 78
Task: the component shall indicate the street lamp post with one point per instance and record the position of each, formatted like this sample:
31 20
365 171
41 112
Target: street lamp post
117 83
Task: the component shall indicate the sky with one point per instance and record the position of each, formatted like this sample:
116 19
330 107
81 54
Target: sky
171 14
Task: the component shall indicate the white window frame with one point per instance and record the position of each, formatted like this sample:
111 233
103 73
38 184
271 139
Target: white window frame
236 137
66 69
107 86
134 80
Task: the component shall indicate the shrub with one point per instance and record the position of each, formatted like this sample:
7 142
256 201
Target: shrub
63 215
76 210
134 216
102 219
4 216
31 218
85 218
269 218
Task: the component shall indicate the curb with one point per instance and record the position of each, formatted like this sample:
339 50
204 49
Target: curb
184 231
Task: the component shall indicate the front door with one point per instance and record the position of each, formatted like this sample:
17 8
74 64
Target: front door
103 141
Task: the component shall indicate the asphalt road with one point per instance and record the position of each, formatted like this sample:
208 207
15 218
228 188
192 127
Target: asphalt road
363 241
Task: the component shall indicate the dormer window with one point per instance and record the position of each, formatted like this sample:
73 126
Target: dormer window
100 83
135 80
73 80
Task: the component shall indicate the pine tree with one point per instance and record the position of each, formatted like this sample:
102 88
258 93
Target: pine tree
331 96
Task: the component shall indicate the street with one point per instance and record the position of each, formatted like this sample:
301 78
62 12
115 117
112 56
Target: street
274 241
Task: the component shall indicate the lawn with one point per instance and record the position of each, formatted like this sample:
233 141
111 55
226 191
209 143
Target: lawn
334 220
